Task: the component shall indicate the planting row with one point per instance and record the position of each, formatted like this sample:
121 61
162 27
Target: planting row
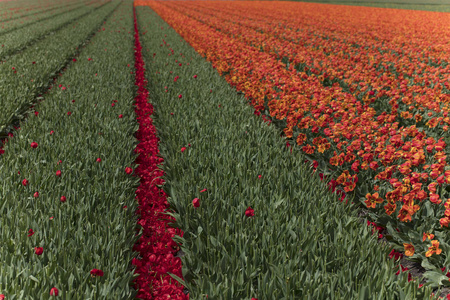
382 143
16 40
68 208
27 75
256 223
11 10
158 258
11 25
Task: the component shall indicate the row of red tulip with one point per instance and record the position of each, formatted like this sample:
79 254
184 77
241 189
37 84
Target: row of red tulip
157 250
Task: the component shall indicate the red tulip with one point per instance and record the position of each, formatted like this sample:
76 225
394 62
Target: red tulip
128 170
63 199
30 232
24 182
58 173
35 195
96 272
38 250
183 148
120 116
99 159
195 76
54 292
196 202
180 96
204 190
34 145
52 132
249 212
69 113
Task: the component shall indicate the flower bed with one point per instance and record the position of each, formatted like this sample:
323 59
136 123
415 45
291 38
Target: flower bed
360 101
249 225
156 247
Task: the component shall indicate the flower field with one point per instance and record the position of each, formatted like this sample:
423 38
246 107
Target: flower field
223 150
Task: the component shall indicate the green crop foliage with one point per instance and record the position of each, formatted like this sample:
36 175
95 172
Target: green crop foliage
302 243
37 18
28 74
74 127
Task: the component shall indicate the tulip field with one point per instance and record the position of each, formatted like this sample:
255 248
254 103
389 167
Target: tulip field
223 150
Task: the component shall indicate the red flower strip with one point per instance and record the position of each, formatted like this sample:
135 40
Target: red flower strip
156 248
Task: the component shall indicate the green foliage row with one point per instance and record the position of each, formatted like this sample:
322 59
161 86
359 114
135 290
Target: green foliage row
95 227
37 17
18 39
438 5
27 74
12 10
302 243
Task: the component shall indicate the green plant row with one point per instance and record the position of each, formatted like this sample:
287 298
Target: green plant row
39 17
19 39
26 75
83 216
12 10
439 6
266 226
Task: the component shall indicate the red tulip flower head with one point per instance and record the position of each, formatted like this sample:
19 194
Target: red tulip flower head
196 202
2 297
30 232
34 145
24 182
120 116
96 272
54 292
58 173
180 96
99 159
36 194
249 212
183 148
128 170
63 199
38 250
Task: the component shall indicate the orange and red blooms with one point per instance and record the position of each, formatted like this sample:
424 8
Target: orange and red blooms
433 249
409 249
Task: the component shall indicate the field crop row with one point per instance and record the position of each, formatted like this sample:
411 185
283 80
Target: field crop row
17 40
68 209
8 26
244 201
355 95
11 10
27 75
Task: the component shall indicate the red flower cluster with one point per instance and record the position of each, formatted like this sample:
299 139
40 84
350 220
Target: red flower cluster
156 248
